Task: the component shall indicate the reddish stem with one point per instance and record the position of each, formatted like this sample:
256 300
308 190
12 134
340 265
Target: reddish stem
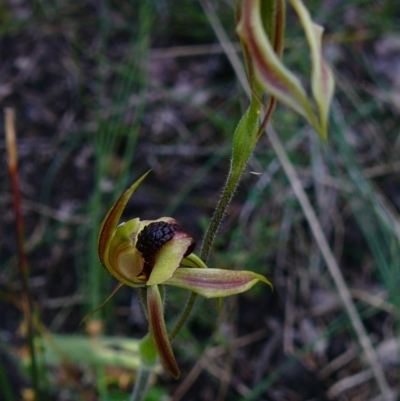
12 162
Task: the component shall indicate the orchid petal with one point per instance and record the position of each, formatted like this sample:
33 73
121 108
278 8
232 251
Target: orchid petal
159 331
215 283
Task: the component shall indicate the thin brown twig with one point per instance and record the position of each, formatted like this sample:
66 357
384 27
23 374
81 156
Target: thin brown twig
337 363
189 380
349 382
194 373
12 163
26 301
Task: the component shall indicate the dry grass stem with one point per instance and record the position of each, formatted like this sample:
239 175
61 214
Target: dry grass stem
349 382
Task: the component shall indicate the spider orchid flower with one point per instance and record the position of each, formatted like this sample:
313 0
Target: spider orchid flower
153 252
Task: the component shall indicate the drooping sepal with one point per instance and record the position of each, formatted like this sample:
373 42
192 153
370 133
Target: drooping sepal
158 330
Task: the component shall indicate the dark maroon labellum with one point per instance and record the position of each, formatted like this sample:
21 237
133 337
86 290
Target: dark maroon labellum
153 237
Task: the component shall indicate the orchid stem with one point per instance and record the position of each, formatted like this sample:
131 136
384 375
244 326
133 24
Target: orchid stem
141 383
228 191
244 142
230 186
184 316
223 203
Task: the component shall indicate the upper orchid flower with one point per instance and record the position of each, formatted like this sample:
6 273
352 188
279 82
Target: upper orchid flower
152 252
261 29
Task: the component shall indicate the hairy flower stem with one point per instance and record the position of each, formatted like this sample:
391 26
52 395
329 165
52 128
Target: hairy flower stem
223 203
244 142
235 173
226 197
220 211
